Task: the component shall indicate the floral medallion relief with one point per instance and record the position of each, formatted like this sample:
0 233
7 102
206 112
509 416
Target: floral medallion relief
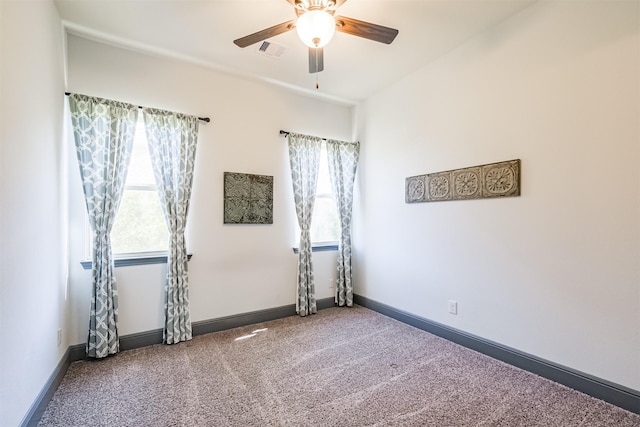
477 182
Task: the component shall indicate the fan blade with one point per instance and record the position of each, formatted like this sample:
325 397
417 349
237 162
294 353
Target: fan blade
265 34
366 30
316 60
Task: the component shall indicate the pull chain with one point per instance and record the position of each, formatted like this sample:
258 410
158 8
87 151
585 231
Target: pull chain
317 72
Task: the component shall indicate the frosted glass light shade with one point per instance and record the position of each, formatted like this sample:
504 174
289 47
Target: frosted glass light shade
315 28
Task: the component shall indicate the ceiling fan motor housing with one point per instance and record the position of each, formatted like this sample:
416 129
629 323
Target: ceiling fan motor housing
315 4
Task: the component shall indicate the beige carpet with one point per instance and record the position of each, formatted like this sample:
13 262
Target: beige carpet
340 367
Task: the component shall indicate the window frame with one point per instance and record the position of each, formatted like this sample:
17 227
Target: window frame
322 245
123 259
141 138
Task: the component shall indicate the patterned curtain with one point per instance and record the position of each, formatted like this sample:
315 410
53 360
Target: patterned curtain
103 132
343 162
172 141
304 157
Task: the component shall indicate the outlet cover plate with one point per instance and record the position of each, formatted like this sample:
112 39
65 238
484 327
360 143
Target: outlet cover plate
453 307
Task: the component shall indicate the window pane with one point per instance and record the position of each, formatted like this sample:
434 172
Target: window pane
140 170
325 226
324 180
139 226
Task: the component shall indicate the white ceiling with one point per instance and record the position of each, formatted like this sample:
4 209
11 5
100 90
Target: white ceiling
354 68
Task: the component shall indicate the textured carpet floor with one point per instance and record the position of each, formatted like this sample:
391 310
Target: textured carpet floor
340 367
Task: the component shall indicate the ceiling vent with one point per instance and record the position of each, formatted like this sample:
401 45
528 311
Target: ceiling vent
271 49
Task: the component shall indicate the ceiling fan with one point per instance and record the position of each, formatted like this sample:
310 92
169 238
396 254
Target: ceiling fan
316 25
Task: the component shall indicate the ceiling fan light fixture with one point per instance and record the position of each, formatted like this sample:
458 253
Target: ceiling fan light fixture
316 28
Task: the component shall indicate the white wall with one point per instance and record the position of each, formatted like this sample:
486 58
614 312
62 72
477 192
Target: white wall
555 272
235 268
32 199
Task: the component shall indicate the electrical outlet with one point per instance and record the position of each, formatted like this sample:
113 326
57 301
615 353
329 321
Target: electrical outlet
331 285
453 307
59 337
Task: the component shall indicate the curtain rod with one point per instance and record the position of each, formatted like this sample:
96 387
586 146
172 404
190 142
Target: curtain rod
202 119
286 133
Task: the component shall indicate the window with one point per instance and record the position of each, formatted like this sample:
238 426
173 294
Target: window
325 224
139 226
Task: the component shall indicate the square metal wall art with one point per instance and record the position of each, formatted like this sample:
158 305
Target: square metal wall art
477 182
248 199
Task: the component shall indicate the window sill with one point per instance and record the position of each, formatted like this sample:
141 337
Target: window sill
320 248
127 262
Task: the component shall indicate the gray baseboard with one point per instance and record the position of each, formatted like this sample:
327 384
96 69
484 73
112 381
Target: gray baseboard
32 417
144 339
615 394
141 339
77 352
237 320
